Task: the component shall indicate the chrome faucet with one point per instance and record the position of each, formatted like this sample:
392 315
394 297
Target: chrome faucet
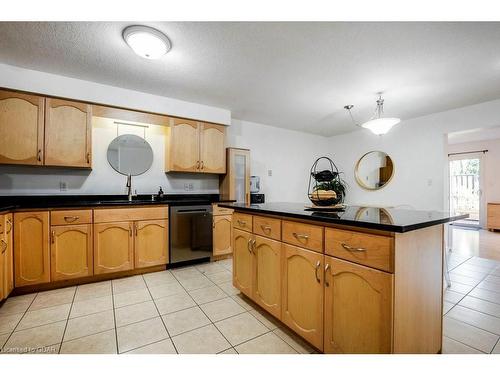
129 187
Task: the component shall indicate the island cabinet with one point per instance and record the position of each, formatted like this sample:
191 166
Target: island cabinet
31 248
344 289
37 130
193 146
71 244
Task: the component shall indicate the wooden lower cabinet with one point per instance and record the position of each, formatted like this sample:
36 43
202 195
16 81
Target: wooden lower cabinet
302 288
151 243
71 252
267 274
113 247
222 235
358 308
31 248
242 261
6 255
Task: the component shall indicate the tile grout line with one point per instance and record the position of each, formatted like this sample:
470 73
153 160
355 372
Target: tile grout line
24 314
481 329
114 318
460 342
67 321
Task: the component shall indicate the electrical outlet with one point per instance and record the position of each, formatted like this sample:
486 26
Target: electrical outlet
270 172
63 186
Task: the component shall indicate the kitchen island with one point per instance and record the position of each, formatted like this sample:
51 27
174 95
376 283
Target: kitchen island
364 280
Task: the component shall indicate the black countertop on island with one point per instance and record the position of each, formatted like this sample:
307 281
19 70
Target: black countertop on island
386 219
69 201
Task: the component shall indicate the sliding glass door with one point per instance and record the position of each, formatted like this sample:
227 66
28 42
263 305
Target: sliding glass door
465 187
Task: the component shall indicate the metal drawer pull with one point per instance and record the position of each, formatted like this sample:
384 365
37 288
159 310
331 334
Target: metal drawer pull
327 284
241 222
248 245
4 246
318 265
300 236
71 219
349 248
266 228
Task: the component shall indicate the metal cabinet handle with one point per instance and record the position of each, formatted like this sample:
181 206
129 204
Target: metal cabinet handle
71 219
4 245
252 246
88 157
241 222
318 265
53 236
266 228
248 245
39 155
201 167
130 231
327 284
136 227
300 236
198 164
354 249
9 223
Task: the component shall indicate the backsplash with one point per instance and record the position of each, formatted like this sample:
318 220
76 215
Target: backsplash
102 179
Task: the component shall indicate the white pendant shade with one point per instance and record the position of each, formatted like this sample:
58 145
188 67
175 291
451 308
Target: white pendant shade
381 125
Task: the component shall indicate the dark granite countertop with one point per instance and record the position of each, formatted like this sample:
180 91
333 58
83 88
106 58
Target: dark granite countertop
68 201
386 219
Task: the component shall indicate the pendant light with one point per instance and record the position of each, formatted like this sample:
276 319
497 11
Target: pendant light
378 124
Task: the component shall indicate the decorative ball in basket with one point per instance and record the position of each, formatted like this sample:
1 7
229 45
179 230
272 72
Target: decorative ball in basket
326 188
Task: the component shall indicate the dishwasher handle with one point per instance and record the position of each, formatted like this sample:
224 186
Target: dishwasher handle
192 211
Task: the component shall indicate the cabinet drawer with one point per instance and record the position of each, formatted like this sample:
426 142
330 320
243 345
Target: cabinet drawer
303 235
267 227
368 249
67 217
217 211
242 221
108 215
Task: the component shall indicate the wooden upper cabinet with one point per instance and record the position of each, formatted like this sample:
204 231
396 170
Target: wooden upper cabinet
212 148
151 243
183 146
31 248
242 262
21 128
193 146
71 252
222 235
267 274
113 247
68 133
302 298
358 309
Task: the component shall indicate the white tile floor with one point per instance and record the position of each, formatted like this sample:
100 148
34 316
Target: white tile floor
188 310
197 310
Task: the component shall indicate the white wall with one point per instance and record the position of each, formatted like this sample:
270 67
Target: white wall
418 148
490 172
289 154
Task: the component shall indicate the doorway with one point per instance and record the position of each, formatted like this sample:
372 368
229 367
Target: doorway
465 187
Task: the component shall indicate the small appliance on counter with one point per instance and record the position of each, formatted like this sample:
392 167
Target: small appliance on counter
255 196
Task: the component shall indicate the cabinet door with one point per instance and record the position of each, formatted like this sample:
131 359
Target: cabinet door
183 148
151 243
222 235
212 148
21 128
267 275
31 248
302 298
71 252
358 308
3 249
67 133
113 247
242 261
8 269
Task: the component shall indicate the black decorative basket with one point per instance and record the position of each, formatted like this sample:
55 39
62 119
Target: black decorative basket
326 188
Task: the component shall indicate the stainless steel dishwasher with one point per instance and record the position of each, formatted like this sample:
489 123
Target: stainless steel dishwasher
190 234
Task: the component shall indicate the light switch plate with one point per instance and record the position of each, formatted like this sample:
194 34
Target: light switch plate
63 186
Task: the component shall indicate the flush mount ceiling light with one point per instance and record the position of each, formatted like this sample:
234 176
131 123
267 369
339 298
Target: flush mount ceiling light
377 124
146 41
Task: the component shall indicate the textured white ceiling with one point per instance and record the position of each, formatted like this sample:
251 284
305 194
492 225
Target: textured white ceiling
292 75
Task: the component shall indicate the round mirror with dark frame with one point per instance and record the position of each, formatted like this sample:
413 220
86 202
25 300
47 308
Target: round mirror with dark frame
374 170
130 155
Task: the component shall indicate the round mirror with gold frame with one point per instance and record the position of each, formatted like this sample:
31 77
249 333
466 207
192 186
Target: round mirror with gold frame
374 170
